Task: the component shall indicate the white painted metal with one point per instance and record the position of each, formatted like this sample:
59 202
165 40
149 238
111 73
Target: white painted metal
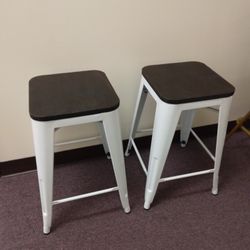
43 136
163 133
139 157
182 176
209 171
203 145
221 134
112 129
165 123
142 95
82 196
146 130
77 141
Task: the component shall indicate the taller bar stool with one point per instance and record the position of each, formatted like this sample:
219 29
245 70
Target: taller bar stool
179 89
67 99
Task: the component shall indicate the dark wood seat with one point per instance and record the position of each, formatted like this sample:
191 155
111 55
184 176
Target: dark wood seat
66 95
186 82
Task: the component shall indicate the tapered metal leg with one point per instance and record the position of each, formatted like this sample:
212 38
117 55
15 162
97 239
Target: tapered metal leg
113 134
165 122
43 135
186 122
221 133
137 115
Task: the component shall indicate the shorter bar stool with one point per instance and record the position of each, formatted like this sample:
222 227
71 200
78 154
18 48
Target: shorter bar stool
179 89
67 99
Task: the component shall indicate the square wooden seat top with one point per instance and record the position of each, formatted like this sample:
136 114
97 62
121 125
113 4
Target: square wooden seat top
186 82
66 95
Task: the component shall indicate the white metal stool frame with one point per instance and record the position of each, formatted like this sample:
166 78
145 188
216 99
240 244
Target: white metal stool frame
165 123
43 136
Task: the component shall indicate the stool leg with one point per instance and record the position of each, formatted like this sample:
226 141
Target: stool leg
103 138
186 122
137 115
221 133
165 122
113 134
43 136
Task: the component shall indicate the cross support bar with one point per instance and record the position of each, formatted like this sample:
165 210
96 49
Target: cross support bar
171 178
77 141
139 157
81 196
202 144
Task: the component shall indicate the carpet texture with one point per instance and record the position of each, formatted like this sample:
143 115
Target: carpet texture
184 214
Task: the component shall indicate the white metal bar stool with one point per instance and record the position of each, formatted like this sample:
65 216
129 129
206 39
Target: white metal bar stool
68 99
179 89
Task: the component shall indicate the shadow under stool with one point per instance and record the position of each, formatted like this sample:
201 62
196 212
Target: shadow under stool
67 99
179 89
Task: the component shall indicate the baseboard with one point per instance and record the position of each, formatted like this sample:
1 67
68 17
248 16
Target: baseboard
27 164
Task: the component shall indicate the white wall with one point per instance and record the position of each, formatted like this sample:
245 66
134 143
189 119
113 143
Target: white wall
118 37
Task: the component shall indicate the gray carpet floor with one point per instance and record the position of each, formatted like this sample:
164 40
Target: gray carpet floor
184 214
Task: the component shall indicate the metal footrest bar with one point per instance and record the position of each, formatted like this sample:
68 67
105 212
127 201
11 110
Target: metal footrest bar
203 145
209 171
171 178
77 141
81 196
146 130
139 157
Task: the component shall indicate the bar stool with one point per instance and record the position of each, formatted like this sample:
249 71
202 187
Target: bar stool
179 89
67 99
